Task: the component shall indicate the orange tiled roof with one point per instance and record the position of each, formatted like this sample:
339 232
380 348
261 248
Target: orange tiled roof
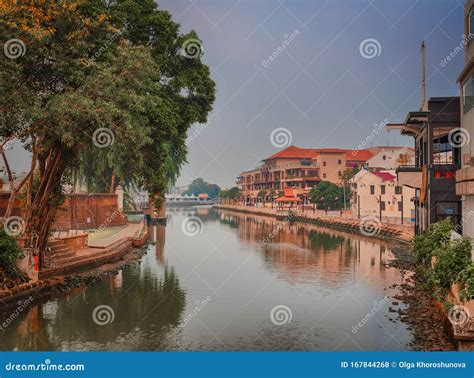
294 152
358 155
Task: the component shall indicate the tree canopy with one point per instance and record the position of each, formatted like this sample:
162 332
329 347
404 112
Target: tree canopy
326 195
199 186
100 91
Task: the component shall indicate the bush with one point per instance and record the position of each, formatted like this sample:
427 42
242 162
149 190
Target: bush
465 279
9 253
438 235
451 259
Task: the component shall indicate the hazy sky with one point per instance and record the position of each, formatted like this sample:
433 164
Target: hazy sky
321 86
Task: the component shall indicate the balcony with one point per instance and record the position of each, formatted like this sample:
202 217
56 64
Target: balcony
409 175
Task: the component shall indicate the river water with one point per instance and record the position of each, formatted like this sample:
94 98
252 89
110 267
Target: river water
210 282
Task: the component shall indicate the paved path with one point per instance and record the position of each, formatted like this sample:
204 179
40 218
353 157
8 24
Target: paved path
131 231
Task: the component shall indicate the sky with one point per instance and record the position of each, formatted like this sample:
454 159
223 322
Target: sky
339 70
323 88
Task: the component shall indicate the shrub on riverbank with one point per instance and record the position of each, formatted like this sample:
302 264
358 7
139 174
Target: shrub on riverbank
452 260
10 275
425 245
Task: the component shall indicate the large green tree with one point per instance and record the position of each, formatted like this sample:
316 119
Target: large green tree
109 88
199 186
326 195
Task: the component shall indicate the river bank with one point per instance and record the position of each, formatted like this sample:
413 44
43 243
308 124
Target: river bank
367 226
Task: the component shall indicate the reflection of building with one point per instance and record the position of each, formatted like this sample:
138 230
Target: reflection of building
299 252
465 176
436 160
300 169
377 193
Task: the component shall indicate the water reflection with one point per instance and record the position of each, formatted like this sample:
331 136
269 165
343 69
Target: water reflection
329 279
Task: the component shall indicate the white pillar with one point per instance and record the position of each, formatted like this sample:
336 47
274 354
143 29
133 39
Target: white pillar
119 193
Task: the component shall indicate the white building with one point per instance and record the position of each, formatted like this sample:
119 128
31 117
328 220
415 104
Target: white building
377 194
391 158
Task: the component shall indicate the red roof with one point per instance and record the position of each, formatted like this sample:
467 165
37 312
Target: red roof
289 196
293 152
358 155
385 176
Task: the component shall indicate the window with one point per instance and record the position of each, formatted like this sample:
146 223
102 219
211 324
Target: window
384 157
468 94
324 163
339 161
400 205
324 175
382 189
372 189
398 190
382 205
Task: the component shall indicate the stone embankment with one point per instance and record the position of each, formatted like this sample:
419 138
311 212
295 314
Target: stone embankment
368 226
70 255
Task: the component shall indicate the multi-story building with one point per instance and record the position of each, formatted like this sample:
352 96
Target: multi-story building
300 169
376 193
434 127
465 176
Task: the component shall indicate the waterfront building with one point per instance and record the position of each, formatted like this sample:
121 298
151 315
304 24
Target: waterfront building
388 158
433 128
465 176
376 193
300 169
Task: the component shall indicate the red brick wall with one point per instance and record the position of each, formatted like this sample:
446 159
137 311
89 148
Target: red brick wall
79 211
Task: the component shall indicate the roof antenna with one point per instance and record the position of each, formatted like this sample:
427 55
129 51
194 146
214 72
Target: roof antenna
424 103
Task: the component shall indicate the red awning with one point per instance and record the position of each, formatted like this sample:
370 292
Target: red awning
288 199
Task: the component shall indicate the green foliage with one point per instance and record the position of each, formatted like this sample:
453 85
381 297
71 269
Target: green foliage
465 279
451 258
262 194
326 195
437 236
9 253
232 193
199 186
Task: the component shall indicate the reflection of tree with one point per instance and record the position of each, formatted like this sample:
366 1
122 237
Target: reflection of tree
143 311
325 241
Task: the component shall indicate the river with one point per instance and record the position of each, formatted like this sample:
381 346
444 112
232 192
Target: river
210 282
